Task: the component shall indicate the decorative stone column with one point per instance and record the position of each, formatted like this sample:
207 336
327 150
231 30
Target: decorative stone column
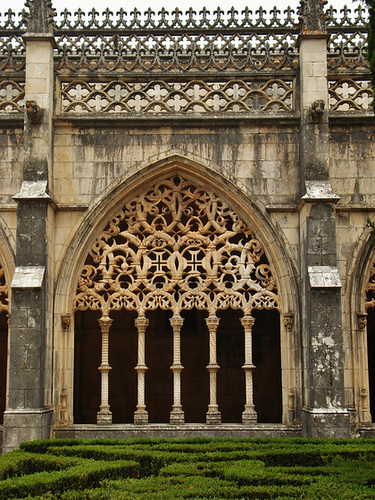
288 321
104 415
65 324
213 416
363 378
177 415
249 415
141 415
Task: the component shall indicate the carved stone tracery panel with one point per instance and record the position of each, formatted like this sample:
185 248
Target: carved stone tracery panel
4 296
176 246
370 290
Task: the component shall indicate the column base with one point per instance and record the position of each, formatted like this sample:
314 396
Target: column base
140 417
26 425
249 415
104 417
213 416
326 422
177 416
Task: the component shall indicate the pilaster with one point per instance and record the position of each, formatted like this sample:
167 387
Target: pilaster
29 413
323 413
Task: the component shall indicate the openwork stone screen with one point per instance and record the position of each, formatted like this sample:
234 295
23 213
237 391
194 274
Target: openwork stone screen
176 247
189 63
370 290
4 299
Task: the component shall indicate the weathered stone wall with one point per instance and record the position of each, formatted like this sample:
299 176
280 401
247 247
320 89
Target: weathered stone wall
295 158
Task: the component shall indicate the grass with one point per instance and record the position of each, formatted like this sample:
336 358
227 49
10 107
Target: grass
195 468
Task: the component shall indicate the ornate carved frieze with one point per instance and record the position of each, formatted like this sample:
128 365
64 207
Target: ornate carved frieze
370 290
12 53
348 94
176 51
12 94
4 295
176 246
348 39
195 96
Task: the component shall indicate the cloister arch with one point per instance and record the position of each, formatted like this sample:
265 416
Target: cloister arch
277 292
362 325
6 272
4 324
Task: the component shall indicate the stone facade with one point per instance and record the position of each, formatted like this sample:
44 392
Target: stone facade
219 171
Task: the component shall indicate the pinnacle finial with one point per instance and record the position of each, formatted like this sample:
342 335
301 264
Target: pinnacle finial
312 16
40 16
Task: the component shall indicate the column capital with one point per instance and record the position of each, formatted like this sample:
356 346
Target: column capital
105 323
247 321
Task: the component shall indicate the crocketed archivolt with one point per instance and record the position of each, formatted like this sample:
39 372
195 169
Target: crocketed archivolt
175 247
4 299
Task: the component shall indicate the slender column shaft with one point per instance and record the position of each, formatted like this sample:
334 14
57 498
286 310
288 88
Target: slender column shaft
249 414
104 416
213 415
141 414
177 415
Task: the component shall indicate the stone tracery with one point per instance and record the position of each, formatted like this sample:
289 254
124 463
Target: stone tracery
176 247
4 299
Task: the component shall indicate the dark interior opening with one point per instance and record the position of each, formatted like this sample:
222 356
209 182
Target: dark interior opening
3 362
122 359
267 359
371 359
159 358
194 357
230 357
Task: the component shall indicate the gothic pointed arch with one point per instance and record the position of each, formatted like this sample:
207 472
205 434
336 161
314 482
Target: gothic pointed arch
368 395
176 246
4 319
263 280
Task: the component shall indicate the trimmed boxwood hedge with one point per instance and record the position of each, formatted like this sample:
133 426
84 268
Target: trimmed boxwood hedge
165 469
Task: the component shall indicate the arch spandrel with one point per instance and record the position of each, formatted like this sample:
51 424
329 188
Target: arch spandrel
176 246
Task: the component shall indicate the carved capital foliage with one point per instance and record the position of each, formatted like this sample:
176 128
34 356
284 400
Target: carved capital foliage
312 16
288 320
39 19
362 321
176 246
65 322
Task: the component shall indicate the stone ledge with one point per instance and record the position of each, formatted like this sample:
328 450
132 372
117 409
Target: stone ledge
324 277
124 431
26 277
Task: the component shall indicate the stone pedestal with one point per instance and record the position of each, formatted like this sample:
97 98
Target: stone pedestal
25 425
326 422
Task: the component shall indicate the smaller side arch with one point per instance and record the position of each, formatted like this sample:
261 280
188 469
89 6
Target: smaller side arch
360 274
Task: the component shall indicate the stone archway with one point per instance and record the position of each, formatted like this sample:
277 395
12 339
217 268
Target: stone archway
4 319
176 247
368 399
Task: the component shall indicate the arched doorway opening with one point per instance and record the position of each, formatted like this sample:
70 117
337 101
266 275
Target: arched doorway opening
4 317
176 281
